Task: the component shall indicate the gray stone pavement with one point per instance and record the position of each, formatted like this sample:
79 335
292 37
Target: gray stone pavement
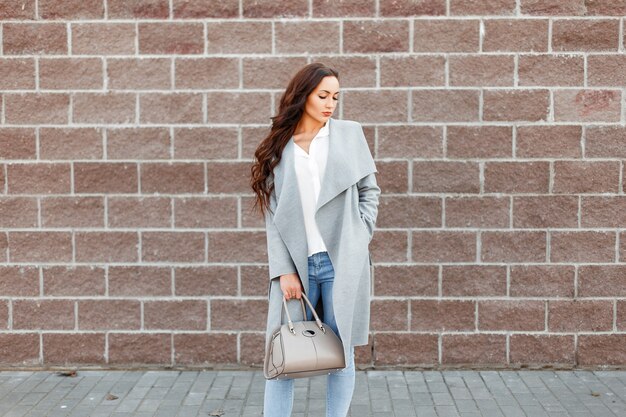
447 393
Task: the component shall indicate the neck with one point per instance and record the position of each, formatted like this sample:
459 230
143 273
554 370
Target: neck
308 125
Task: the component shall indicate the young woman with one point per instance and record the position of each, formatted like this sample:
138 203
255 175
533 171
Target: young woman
314 180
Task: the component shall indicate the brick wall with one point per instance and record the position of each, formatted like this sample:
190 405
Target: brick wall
127 130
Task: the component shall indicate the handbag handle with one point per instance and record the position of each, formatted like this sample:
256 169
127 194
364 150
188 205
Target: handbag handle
317 318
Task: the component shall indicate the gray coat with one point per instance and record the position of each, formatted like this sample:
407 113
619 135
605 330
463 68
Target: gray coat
346 213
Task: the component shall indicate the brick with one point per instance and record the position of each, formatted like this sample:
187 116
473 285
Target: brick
445 105
409 141
411 8
159 108
239 37
620 318
391 349
175 315
553 7
17 11
410 280
545 211
252 351
70 143
445 177
19 281
473 349
238 314
17 73
442 315
582 246
138 9
172 247
297 37
516 105
4 315
18 212
605 142
481 70
409 211
206 73
398 71
200 349
587 105
517 177
266 8
444 246
473 281
515 35
105 177
34 39
43 314
548 142
73 281
138 143
139 74
19 349
343 8
68 348
606 8
355 71
225 107
72 212
228 177
365 36
393 176
216 212
239 246
38 178
541 281
36 108
387 315
605 70
71 73
511 315
513 246
109 315
483 212
364 354
586 177
492 7
552 70
103 39
71 9
542 349
138 348
580 315
269 72
466 142
106 246
601 349
40 246
175 178
139 281
104 108
4 244
198 9
206 281
445 35
171 38
389 246
205 143
132 212
603 211
585 35
601 281
254 280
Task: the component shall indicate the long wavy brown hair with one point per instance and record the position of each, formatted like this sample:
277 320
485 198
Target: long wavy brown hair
290 110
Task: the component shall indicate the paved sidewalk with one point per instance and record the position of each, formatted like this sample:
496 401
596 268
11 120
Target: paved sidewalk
377 394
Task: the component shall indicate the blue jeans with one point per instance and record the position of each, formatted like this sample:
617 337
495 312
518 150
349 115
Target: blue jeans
278 400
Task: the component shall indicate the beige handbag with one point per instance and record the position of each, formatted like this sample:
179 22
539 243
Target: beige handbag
302 349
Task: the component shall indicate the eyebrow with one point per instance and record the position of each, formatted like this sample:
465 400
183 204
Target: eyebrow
329 91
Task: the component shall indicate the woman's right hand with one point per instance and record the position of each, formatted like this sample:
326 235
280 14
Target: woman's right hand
291 286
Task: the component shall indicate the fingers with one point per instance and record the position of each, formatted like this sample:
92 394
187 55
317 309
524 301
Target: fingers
293 292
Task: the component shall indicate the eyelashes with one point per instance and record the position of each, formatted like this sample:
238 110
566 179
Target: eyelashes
323 98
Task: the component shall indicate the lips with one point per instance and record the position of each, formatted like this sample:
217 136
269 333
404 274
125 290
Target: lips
327 113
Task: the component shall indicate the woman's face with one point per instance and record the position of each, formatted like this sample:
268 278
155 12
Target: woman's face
321 103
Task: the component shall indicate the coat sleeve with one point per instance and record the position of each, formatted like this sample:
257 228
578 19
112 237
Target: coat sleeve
369 193
280 262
